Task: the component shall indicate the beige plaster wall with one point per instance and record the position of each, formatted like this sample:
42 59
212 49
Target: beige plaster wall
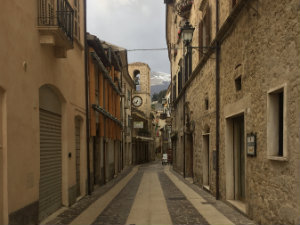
20 45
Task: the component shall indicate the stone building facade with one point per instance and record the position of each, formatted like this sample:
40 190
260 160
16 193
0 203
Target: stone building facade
235 126
42 109
142 142
140 73
128 86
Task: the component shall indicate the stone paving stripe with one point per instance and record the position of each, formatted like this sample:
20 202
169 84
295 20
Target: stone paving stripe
181 210
92 212
149 206
118 210
210 213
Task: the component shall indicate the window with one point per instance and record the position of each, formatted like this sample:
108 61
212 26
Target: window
137 77
276 125
238 83
128 95
180 80
174 89
204 33
206 103
97 86
77 19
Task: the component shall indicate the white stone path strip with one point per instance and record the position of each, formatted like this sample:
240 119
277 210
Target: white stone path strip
89 215
149 206
210 213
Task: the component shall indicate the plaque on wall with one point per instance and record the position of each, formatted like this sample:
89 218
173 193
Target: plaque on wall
251 144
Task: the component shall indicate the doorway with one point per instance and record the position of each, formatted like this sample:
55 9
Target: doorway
239 158
206 164
189 156
235 159
50 186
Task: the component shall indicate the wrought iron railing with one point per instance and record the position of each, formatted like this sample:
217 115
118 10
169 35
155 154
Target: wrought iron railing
56 13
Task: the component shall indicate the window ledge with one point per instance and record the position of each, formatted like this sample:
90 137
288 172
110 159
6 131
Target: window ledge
278 158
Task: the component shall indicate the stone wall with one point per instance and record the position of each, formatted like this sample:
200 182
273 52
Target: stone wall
264 49
203 87
144 92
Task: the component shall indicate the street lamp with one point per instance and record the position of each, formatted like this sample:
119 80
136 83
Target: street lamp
187 33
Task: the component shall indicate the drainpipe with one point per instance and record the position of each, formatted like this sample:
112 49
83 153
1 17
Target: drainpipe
183 79
218 51
87 102
122 116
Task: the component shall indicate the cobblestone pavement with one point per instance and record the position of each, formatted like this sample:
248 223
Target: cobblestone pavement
71 213
180 209
118 210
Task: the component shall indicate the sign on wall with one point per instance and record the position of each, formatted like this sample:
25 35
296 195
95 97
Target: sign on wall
138 124
251 144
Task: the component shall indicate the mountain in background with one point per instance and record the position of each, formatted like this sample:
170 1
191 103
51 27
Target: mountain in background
159 81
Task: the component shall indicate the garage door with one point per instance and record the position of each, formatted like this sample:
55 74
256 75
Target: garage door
77 138
50 163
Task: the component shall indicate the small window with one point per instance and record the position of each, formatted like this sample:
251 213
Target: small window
137 77
238 83
206 103
128 95
276 135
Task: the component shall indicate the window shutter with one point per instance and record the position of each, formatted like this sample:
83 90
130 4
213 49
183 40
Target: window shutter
200 40
207 26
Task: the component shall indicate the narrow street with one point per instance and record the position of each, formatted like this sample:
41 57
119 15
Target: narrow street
149 194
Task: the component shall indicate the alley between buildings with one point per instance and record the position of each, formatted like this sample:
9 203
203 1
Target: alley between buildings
149 194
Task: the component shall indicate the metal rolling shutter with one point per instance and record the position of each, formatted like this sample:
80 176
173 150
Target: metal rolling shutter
77 138
50 196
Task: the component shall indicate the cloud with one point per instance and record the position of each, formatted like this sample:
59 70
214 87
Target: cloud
131 24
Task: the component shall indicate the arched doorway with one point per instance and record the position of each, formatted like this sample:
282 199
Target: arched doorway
50 186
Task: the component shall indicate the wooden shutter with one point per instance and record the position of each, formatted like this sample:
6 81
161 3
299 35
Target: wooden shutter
208 26
200 40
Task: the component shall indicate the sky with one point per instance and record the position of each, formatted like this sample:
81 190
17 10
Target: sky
132 24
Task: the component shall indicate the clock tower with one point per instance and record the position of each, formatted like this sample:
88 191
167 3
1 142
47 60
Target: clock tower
140 73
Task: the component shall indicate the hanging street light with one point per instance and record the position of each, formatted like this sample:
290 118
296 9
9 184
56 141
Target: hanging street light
187 33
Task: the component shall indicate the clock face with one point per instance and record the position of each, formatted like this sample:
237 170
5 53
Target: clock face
137 101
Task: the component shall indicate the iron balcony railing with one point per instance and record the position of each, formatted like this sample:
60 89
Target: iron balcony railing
55 13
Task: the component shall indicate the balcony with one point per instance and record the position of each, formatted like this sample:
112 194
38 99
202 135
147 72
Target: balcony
55 24
183 7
